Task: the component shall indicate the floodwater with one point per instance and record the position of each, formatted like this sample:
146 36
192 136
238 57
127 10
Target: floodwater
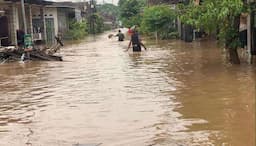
174 94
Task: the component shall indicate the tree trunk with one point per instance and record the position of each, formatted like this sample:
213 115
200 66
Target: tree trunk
156 36
234 58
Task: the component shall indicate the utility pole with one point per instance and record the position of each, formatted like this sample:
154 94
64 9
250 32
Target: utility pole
92 11
24 17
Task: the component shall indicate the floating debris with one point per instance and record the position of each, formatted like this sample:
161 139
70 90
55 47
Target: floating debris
12 53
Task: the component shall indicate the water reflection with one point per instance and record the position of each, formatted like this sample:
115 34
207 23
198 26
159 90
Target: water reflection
175 94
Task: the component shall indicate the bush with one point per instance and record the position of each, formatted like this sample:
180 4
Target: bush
160 19
170 35
77 30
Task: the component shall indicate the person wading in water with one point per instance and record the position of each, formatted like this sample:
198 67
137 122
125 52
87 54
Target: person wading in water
120 36
136 42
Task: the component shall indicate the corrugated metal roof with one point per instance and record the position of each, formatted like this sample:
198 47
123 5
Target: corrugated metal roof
39 2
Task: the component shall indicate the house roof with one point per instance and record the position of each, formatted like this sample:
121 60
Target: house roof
64 5
69 4
39 2
73 5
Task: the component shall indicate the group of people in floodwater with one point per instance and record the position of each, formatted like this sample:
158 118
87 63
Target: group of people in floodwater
135 40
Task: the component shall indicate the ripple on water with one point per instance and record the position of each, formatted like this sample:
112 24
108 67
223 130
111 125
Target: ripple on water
175 94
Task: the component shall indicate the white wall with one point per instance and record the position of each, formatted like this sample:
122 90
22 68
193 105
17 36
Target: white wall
78 15
52 13
49 13
16 17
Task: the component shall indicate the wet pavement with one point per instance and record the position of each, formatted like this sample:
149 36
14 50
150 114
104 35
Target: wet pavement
174 94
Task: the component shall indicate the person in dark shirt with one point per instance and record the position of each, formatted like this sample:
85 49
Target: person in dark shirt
136 42
120 36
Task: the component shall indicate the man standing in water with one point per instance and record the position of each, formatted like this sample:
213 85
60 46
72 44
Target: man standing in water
120 36
136 42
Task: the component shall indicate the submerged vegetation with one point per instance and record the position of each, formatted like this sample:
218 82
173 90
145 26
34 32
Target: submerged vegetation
77 30
218 17
221 16
159 20
156 20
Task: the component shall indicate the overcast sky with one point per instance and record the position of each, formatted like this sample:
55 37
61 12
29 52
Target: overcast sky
98 1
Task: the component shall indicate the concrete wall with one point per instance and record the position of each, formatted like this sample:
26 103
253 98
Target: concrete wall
52 13
13 24
49 13
78 15
63 21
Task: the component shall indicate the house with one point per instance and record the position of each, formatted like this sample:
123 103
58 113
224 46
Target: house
248 29
251 29
44 19
65 12
187 32
11 20
57 17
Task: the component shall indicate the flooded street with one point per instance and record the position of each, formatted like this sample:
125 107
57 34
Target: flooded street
174 94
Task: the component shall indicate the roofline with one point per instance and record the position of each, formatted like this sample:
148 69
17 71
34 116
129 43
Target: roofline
38 2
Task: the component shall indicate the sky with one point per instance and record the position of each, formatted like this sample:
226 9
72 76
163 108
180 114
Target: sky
98 1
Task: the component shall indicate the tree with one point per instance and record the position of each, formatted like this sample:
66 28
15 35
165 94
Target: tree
108 10
97 25
159 19
158 2
121 2
130 11
109 13
224 14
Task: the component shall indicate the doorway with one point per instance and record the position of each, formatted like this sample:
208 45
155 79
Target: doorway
4 31
253 33
50 31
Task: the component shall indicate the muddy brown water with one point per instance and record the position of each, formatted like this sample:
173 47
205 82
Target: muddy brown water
174 94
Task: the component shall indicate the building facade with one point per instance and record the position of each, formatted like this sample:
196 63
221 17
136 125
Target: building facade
44 20
251 28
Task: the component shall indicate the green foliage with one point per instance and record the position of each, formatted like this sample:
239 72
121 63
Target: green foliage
121 2
169 35
134 20
108 10
159 19
77 30
215 15
96 24
130 11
